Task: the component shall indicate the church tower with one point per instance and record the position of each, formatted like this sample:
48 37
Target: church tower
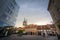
25 22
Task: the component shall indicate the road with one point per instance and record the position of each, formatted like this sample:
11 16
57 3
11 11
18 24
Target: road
28 37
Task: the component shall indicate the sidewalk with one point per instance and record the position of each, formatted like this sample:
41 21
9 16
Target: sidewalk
51 38
29 37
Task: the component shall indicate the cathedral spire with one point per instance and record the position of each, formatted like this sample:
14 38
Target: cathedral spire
25 22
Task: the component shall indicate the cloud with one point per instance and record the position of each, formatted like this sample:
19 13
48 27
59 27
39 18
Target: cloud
34 11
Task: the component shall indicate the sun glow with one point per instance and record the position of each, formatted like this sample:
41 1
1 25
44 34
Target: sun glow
42 23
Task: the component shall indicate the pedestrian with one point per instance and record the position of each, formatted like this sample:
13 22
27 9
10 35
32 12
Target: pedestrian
43 34
44 38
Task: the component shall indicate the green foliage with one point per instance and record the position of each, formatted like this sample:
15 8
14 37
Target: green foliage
20 31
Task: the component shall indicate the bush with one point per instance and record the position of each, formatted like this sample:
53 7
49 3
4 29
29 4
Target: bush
20 32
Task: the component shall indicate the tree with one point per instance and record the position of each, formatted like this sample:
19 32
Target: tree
20 32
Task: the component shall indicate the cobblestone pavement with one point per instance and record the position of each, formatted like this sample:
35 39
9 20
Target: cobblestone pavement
28 37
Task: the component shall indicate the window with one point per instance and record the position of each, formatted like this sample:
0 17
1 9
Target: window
10 12
12 6
14 2
1 3
1 23
54 3
58 10
7 18
4 17
7 9
59 26
4 24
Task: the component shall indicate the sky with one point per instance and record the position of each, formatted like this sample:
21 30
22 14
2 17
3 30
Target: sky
35 11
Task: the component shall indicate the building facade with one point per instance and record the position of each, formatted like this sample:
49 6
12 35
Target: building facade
40 29
8 12
54 9
31 29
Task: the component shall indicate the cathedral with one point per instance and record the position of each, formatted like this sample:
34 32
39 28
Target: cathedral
25 22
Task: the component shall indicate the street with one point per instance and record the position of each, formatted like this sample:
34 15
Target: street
28 37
